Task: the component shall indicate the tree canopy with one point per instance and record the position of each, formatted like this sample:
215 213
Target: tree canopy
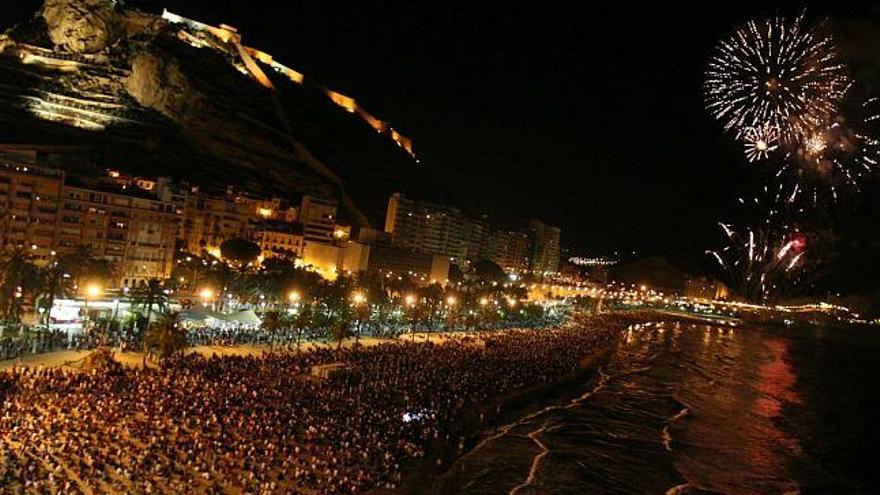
239 252
488 271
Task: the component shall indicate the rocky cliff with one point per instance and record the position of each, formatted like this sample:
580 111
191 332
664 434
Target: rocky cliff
152 96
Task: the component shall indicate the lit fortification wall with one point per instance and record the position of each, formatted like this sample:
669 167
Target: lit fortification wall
249 56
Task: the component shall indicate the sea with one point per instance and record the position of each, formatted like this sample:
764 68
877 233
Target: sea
694 408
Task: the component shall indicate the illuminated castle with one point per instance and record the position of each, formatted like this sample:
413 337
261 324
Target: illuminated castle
203 35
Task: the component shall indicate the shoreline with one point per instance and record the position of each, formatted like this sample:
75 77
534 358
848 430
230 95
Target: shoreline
564 362
427 475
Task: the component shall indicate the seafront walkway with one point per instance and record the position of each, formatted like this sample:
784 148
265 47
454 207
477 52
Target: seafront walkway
72 358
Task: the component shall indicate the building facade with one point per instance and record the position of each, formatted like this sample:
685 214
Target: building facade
133 230
318 218
209 220
29 201
545 247
137 235
419 266
435 229
511 250
279 239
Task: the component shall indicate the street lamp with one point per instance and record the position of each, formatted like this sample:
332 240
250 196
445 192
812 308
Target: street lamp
293 297
359 298
207 295
362 311
410 300
450 301
484 301
91 291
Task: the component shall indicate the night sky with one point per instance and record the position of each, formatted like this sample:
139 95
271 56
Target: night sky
588 116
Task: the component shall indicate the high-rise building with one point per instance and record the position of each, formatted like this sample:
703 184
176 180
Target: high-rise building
444 230
511 250
435 229
545 247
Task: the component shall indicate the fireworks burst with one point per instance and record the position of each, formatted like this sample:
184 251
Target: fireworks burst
760 142
764 259
834 156
779 87
773 203
777 74
763 262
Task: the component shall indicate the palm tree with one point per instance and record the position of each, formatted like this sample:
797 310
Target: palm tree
149 295
190 271
273 322
302 321
84 266
167 336
362 313
245 287
55 282
19 277
60 275
340 330
432 296
217 272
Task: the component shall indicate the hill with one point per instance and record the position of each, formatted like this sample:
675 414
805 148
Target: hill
166 95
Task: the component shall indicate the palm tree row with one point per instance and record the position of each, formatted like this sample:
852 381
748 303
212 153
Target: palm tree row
24 283
386 303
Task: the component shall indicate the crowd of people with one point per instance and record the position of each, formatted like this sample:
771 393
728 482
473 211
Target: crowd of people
266 424
241 334
14 344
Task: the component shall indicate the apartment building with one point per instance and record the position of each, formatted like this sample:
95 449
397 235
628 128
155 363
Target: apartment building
280 239
318 218
134 231
435 229
29 201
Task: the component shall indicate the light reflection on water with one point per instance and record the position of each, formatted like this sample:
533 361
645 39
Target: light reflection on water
685 408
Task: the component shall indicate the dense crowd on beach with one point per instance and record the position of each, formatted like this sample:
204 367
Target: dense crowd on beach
265 424
237 335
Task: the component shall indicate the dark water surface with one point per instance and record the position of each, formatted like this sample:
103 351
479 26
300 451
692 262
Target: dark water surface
691 408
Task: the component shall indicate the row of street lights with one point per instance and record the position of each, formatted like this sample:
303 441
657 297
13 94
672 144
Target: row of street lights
358 298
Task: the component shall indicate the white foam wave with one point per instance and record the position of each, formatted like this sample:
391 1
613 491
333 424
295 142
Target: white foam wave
679 489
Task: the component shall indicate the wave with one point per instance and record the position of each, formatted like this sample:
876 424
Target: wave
504 430
679 489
